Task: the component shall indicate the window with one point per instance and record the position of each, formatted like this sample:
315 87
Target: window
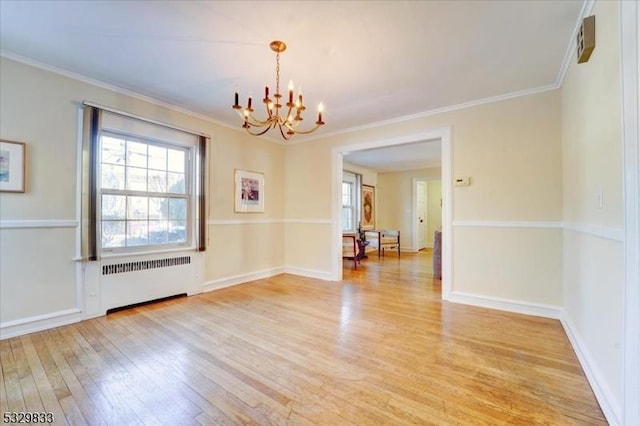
143 185
144 193
350 201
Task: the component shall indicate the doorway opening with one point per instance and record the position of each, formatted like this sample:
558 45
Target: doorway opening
443 135
426 210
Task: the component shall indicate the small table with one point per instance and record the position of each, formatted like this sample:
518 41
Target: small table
361 249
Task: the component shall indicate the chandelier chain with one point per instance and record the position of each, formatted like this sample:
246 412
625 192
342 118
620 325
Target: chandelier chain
278 72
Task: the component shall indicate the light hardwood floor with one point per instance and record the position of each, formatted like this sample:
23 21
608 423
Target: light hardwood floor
378 348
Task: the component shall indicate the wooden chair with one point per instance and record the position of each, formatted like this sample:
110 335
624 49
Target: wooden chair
350 249
384 239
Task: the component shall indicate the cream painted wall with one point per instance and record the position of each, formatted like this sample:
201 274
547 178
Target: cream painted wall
369 176
395 202
238 245
40 108
37 272
511 149
434 209
490 257
592 162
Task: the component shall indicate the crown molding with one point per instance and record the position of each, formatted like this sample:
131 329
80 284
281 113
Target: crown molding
69 74
431 112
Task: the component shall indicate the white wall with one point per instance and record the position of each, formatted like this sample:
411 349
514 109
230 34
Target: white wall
593 209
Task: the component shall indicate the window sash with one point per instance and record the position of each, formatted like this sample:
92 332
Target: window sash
349 184
99 119
144 225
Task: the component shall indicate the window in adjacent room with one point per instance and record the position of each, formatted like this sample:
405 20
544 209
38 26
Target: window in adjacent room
350 201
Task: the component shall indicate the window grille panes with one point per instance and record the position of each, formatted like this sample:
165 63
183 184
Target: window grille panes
347 218
144 193
348 206
346 193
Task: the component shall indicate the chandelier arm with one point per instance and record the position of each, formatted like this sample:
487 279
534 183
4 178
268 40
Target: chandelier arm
250 119
306 132
258 133
258 123
286 137
289 113
294 124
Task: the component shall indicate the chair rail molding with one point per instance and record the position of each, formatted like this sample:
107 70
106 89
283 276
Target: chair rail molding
38 223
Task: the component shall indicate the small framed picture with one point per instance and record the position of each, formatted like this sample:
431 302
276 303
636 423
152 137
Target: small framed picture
368 207
249 192
12 159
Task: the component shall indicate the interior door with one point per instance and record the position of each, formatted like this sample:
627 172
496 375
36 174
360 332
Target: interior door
421 210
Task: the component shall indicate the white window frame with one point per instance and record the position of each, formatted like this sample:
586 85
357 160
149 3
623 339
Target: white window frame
188 196
354 180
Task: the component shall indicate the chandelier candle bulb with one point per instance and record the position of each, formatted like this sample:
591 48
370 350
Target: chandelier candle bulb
291 87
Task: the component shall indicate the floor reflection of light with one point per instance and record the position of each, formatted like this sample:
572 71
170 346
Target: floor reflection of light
345 309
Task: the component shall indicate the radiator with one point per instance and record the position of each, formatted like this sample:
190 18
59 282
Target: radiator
142 265
136 281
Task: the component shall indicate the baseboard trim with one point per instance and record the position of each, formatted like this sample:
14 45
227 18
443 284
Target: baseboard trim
23 326
241 279
612 410
310 273
509 305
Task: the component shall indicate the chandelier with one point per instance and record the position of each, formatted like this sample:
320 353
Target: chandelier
287 118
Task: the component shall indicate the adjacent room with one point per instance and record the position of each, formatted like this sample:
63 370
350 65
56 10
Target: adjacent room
390 212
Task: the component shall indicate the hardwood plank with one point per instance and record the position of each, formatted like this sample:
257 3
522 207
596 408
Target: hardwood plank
4 405
12 398
30 394
379 347
196 386
111 410
46 391
72 412
171 406
85 404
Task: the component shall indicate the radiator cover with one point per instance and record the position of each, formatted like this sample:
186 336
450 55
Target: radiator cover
136 281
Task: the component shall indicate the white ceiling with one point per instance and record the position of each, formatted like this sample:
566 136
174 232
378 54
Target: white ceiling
413 156
368 61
